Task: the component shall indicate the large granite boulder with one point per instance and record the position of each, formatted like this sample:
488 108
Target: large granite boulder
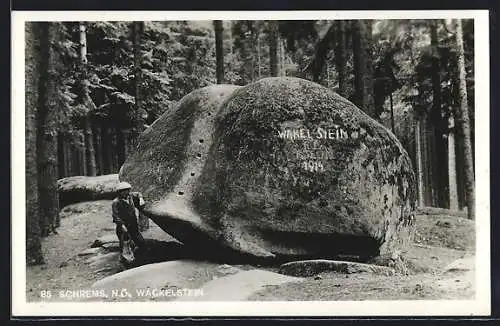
278 169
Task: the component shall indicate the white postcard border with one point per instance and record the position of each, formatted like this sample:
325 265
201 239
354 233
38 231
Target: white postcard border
480 306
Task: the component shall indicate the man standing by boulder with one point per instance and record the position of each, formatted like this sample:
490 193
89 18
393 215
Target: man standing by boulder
125 217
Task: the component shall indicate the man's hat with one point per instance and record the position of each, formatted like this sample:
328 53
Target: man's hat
123 186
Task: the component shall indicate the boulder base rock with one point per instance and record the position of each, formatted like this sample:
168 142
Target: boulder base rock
313 267
279 168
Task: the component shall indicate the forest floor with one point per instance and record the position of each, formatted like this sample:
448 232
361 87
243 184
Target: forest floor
439 241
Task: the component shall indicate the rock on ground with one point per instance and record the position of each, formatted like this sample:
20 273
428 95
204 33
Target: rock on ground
105 239
446 231
90 251
306 268
239 286
441 211
279 168
459 277
81 188
466 264
178 274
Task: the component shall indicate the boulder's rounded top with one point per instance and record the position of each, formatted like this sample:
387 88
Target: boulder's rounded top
207 91
277 99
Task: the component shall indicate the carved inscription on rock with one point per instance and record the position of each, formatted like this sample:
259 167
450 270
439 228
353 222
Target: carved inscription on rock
314 154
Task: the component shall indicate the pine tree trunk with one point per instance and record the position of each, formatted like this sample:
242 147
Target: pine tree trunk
464 124
358 63
431 162
363 66
75 152
253 41
80 154
393 124
60 156
219 50
369 96
439 180
282 70
418 159
340 57
459 153
425 161
118 149
32 76
452 169
321 52
69 157
65 155
259 71
114 147
230 32
108 148
89 104
47 132
111 154
89 148
99 151
327 74
126 143
121 146
138 29
273 48
82 150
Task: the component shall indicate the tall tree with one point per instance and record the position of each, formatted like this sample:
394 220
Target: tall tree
453 199
363 66
437 123
87 102
273 48
47 129
419 159
321 51
452 168
219 51
340 56
244 63
82 152
230 37
32 77
257 45
282 59
464 123
99 151
138 121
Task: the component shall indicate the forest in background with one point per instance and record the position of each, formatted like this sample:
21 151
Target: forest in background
93 87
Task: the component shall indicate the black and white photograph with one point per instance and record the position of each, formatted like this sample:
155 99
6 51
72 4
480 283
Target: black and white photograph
250 163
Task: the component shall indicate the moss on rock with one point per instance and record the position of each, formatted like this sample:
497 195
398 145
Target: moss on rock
286 168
